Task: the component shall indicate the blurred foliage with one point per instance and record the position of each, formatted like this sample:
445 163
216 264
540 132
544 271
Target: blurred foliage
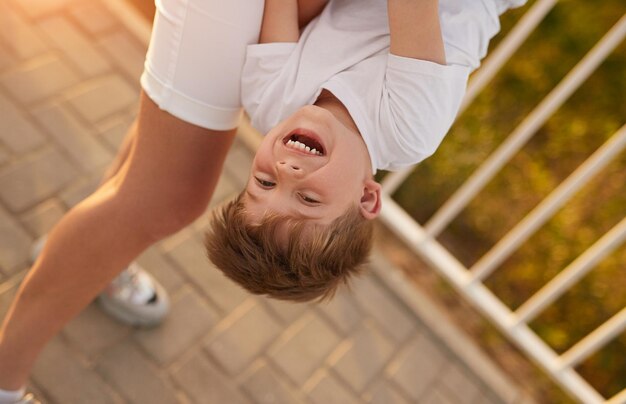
593 113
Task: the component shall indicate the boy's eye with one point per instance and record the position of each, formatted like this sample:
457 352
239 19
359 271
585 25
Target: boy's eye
309 199
264 183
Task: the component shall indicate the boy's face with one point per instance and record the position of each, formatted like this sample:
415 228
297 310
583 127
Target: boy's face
318 184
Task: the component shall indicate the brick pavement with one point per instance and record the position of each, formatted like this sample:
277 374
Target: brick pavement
68 92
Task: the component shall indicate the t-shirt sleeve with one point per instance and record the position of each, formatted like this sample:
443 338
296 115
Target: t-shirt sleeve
263 64
418 104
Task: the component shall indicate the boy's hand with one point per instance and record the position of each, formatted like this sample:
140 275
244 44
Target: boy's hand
280 21
415 30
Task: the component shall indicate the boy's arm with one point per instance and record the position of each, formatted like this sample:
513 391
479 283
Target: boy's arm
415 30
309 9
280 21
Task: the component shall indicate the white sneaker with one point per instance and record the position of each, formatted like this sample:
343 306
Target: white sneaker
134 297
28 399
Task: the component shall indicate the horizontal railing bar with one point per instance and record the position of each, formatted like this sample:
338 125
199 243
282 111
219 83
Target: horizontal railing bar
526 129
398 220
594 341
619 398
572 273
401 223
483 76
555 200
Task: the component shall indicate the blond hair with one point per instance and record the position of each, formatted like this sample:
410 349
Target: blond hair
313 264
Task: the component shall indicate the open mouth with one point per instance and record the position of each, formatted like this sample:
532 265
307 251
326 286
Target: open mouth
304 143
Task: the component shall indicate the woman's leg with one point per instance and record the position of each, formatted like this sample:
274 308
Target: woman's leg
192 70
122 154
166 183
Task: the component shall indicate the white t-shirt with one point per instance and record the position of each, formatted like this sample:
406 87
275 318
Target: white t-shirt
402 107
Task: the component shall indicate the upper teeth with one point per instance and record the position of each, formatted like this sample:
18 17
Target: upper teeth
294 144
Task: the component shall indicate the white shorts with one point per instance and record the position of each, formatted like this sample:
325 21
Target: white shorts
196 54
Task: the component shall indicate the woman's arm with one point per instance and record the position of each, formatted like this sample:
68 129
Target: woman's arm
415 30
280 21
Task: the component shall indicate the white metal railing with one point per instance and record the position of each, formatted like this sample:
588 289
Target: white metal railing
422 239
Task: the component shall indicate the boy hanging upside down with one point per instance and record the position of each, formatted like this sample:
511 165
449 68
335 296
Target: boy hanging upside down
367 85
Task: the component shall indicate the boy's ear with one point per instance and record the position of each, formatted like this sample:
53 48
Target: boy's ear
370 200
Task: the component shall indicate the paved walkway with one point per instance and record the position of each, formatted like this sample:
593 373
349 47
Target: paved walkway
68 91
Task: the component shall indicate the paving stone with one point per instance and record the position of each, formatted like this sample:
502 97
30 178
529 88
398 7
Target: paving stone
93 17
43 217
265 386
73 136
37 8
173 241
80 189
191 259
39 78
126 52
15 130
327 390
463 388
92 331
8 289
342 311
240 340
189 319
204 383
303 347
369 351
395 319
384 393
200 226
113 131
437 397
223 190
17 34
98 98
34 178
22 136
153 261
134 377
75 46
417 367
68 380
486 398
14 244
285 311
238 164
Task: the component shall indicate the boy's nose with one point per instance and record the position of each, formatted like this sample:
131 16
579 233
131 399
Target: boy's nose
290 168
